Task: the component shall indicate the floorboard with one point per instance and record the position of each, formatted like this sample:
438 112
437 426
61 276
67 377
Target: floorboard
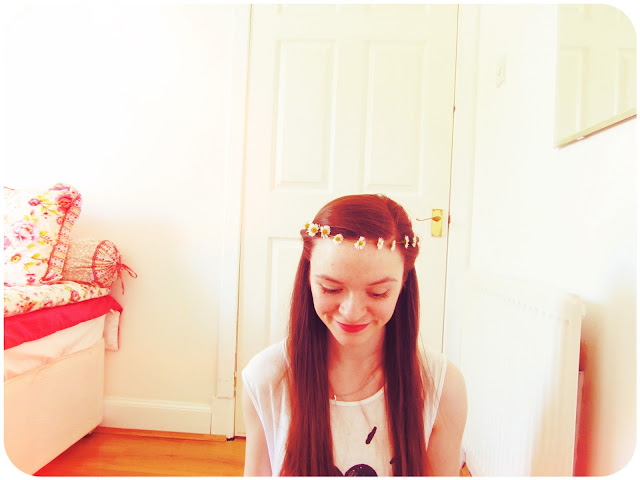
117 452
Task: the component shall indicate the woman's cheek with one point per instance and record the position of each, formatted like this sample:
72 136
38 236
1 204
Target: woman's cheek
324 306
321 303
389 307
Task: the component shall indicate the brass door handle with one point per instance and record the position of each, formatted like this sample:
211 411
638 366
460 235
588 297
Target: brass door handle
436 222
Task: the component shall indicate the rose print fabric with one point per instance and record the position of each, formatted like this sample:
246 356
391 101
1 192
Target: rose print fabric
23 299
37 226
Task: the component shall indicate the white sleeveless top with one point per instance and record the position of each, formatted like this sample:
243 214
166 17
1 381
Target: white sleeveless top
361 442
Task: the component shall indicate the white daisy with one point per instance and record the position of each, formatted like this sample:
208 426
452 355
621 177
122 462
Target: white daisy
380 243
360 243
324 231
312 229
338 239
406 241
393 245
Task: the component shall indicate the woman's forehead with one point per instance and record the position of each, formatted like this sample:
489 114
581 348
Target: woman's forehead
344 261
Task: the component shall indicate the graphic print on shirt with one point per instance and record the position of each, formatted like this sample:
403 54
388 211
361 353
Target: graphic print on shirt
362 469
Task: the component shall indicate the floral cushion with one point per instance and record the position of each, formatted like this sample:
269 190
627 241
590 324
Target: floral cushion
94 261
37 226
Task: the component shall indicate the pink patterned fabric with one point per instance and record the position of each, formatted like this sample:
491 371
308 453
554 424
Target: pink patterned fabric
37 226
23 299
95 261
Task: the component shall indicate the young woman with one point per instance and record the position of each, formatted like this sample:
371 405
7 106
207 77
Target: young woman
349 392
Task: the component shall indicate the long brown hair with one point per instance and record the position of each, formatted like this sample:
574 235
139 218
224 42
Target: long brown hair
309 447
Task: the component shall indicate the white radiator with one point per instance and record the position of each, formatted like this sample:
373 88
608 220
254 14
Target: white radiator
520 348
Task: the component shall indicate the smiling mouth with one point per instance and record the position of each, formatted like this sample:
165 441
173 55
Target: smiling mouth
352 328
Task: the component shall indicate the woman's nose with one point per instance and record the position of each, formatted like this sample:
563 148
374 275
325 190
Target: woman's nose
352 308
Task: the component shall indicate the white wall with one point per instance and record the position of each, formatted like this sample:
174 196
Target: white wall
564 217
130 105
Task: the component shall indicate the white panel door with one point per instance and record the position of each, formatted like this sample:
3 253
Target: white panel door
341 100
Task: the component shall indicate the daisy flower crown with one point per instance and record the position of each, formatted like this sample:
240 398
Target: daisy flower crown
313 229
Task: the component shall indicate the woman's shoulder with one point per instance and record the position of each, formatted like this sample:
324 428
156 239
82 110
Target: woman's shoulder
267 366
434 361
434 364
440 378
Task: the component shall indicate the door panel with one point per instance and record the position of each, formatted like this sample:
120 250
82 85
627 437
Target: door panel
341 100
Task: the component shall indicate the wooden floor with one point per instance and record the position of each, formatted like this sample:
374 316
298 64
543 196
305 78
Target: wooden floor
116 452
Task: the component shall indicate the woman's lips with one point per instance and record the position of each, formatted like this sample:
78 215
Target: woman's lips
352 328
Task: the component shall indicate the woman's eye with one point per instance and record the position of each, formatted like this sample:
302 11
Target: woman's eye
379 295
329 290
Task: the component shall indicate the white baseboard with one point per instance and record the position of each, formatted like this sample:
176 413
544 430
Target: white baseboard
144 414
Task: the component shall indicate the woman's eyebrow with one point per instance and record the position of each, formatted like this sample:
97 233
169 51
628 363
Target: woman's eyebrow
328 278
383 280
378 282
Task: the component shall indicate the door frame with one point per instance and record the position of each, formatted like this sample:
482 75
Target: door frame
462 177
223 401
